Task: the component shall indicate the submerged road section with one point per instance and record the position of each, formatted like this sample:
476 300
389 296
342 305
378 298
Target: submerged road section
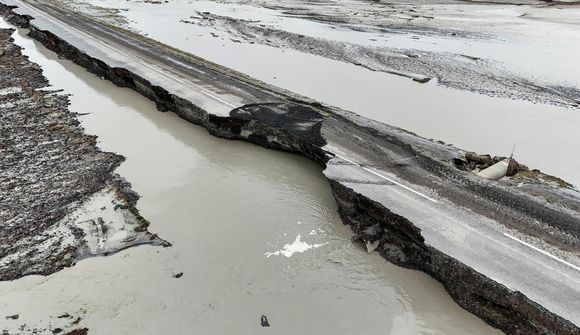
503 252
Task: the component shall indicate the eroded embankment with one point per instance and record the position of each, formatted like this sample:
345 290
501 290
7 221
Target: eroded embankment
60 200
401 243
399 240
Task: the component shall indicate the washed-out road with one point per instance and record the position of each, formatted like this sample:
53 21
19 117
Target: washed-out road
488 226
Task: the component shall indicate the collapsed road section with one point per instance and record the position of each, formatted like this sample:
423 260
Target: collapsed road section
508 254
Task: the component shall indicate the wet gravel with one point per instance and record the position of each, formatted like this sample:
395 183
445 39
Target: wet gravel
48 168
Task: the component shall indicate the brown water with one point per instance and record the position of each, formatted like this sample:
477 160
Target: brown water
238 217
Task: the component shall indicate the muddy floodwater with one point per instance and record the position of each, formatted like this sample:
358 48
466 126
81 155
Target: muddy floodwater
254 232
534 43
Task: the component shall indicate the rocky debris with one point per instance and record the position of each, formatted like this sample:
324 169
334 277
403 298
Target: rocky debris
474 162
370 237
82 331
51 173
12 317
62 324
264 321
178 275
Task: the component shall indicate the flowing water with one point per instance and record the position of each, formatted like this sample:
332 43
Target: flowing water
254 232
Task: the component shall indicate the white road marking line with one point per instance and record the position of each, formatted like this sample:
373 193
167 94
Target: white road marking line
181 81
493 239
389 179
139 60
543 252
510 247
218 99
466 225
161 72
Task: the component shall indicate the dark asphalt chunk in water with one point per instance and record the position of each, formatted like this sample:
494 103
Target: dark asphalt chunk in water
264 321
297 119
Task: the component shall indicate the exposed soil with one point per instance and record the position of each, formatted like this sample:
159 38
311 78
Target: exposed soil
60 200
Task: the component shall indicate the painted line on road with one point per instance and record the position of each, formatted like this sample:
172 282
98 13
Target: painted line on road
183 82
519 251
543 252
511 247
468 226
161 72
105 44
389 179
218 99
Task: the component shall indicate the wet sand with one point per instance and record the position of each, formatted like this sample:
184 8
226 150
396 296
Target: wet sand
226 207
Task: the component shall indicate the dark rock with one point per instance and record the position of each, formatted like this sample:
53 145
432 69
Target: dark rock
178 275
513 167
12 317
372 233
422 80
264 321
82 331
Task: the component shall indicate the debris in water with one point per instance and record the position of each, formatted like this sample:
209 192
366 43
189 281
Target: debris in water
496 171
264 321
13 317
372 246
178 275
82 331
297 246
422 80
